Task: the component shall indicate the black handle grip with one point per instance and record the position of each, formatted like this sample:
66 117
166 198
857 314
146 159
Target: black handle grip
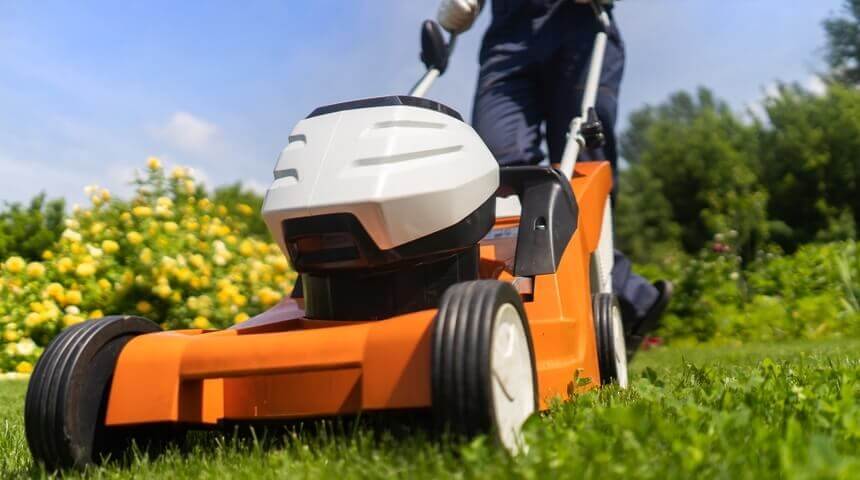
434 50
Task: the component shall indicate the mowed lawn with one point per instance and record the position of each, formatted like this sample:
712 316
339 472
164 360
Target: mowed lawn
757 411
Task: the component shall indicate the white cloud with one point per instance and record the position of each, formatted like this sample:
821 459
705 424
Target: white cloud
187 132
816 85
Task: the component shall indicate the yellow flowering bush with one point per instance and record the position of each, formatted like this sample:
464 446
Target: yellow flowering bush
172 254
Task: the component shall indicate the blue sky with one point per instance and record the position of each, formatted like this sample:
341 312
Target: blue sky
89 89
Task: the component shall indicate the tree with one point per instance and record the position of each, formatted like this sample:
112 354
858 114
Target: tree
811 163
843 44
703 162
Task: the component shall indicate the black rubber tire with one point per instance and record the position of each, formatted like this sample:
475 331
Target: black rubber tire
603 304
460 359
66 398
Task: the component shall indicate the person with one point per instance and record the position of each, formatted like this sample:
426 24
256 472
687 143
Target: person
533 66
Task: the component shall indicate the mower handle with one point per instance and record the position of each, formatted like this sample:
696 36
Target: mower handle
435 53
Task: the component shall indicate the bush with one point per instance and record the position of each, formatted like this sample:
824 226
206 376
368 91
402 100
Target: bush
812 293
171 254
26 231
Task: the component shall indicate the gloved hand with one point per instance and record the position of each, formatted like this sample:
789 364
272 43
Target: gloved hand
457 16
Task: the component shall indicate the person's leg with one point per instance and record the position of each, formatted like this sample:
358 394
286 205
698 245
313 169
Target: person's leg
564 76
506 112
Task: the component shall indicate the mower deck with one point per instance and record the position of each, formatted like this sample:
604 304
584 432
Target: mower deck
280 365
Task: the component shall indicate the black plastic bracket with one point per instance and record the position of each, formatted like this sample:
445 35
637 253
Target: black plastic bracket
548 217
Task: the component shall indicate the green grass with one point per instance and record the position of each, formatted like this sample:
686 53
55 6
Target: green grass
761 411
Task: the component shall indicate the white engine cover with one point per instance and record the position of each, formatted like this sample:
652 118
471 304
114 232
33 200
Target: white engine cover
405 172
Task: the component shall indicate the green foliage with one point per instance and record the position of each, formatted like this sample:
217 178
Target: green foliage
236 194
695 162
764 411
812 294
645 228
697 171
811 166
28 230
843 43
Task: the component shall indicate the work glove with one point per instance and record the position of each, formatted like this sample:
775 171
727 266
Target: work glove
457 16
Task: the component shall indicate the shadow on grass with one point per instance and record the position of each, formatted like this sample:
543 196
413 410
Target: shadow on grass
394 433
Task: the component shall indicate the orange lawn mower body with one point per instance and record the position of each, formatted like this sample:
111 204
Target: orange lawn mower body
282 365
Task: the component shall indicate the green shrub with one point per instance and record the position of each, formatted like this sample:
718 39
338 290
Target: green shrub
27 231
811 293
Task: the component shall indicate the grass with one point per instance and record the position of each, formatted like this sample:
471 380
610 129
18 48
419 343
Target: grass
757 411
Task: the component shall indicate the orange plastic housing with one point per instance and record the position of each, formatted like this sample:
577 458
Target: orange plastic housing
280 365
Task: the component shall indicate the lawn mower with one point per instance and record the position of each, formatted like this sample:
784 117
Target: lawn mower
430 279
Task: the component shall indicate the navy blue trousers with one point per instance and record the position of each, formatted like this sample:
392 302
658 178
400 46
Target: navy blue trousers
534 63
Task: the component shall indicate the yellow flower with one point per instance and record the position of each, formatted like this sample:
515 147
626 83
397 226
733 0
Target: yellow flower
141 211
73 297
32 320
65 264
15 264
245 210
246 248
163 290
96 314
35 270
144 307
170 227
55 291
105 194
104 284
189 186
85 270
197 260
153 163
97 228
125 217
146 256
47 255
110 247
200 322
178 173
10 335
183 274
269 297
240 317
72 319
24 367
134 238
240 300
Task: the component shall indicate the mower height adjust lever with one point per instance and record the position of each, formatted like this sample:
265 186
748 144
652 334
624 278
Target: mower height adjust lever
592 131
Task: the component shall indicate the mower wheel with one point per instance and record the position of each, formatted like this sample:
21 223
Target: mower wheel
67 395
483 369
611 349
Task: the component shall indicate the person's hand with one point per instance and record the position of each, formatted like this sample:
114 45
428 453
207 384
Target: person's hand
457 16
